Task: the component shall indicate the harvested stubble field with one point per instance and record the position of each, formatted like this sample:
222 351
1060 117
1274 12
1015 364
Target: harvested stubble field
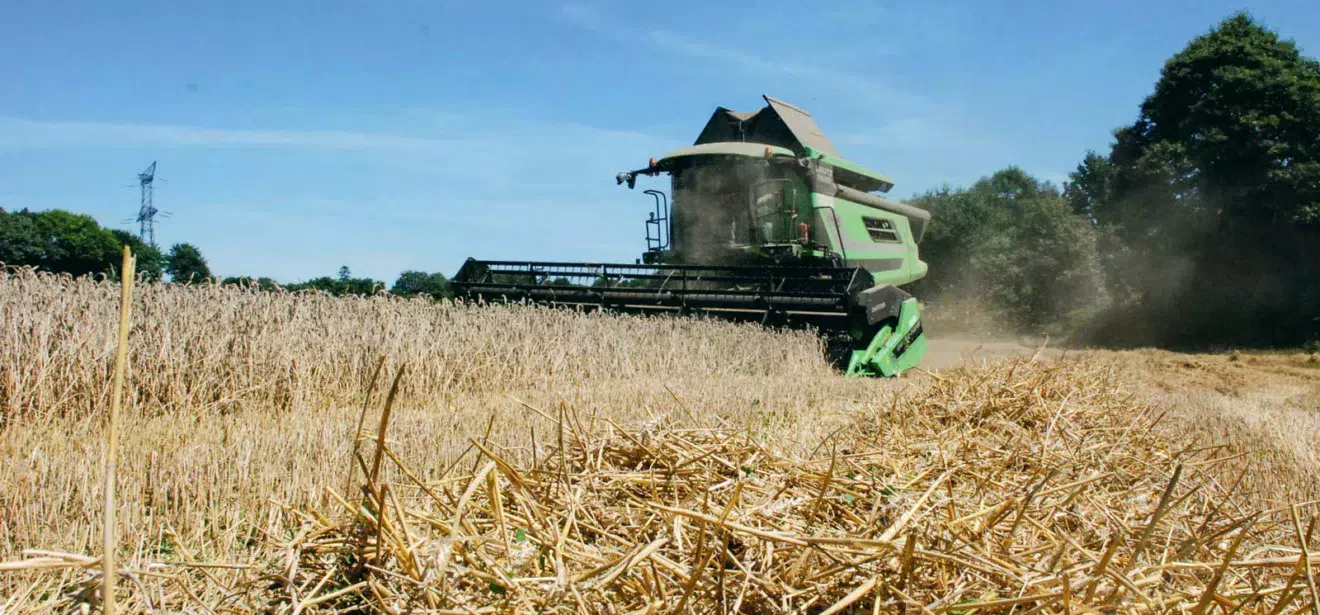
539 461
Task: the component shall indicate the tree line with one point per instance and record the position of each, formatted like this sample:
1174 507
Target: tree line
65 242
1200 225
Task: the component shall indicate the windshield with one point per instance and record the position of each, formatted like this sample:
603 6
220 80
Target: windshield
729 202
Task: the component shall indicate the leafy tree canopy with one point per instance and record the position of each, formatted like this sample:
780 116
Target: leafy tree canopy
1013 244
340 285
186 264
150 262
262 283
64 242
1232 131
1208 205
415 283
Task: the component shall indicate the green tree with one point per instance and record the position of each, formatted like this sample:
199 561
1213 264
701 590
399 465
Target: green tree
414 283
1012 244
77 244
360 286
324 284
1090 186
64 242
21 241
262 283
410 283
150 262
1237 115
1208 205
58 241
186 264
340 285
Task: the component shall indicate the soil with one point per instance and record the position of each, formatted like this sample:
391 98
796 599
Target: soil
952 351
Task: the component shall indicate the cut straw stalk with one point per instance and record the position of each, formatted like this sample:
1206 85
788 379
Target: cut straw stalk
109 572
1302 539
598 510
357 432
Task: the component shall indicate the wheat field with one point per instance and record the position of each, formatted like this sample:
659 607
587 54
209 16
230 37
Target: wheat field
1073 484
237 397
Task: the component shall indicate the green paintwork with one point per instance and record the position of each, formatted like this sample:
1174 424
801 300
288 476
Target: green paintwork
766 192
836 222
767 187
894 263
838 230
880 357
853 174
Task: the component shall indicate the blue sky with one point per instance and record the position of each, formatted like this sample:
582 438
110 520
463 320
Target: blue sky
295 137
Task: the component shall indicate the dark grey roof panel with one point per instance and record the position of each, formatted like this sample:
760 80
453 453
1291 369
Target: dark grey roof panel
802 126
778 123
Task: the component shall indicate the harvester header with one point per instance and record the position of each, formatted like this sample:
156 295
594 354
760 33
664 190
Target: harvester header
764 220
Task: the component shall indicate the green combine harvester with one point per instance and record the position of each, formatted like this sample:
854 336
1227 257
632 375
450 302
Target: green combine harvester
766 223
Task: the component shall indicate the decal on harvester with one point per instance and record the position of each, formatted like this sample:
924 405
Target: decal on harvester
907 340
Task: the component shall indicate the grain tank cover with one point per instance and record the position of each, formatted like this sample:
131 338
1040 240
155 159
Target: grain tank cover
785 126
778 123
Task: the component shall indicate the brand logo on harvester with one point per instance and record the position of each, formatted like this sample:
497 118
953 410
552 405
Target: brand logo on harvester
907 340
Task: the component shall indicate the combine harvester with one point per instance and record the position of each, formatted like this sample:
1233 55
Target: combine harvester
769 224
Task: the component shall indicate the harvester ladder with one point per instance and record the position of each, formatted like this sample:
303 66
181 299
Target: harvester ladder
657 225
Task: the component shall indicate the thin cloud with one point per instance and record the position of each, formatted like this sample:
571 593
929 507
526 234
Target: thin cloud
683 45
686 46
18 134
921 132
592 19
23 134
495 159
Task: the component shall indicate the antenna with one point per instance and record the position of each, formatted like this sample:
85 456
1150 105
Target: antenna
146 217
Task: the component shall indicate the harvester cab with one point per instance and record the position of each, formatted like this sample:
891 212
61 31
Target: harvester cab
764 221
